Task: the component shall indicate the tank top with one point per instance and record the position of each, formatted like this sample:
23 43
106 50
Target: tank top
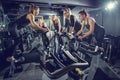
97 27
69 23
22 21
55 25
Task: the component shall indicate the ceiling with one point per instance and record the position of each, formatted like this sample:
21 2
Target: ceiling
14 8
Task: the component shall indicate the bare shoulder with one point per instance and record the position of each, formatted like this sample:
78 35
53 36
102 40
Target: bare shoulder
58 20
91 19
29 15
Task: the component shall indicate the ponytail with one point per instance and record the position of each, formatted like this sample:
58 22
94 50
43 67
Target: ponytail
32 7
84 12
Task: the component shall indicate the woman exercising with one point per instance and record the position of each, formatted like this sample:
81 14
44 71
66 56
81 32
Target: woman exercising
42 24
92 26
22 22
55 24
69 21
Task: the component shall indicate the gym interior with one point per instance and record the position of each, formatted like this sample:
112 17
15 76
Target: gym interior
55 54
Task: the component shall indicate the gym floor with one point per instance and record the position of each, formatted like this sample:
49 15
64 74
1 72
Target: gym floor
31 71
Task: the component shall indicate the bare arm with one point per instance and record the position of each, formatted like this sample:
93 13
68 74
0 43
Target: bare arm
32 22
59 25
51 25
45 27
64 27
80 31
71 29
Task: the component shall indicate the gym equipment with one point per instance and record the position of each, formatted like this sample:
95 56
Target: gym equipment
37 42
57 60
55 65
2 55
47 60
107 47
65 40
97 63
111 49
95 53
58 68
63 56
54 42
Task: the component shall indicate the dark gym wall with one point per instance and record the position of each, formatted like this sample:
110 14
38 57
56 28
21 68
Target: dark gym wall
110 19
1 13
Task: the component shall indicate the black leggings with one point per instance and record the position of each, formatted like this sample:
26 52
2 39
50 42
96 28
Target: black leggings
99 36
12 28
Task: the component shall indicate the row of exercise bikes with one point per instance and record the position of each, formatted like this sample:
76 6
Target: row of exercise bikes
67 55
